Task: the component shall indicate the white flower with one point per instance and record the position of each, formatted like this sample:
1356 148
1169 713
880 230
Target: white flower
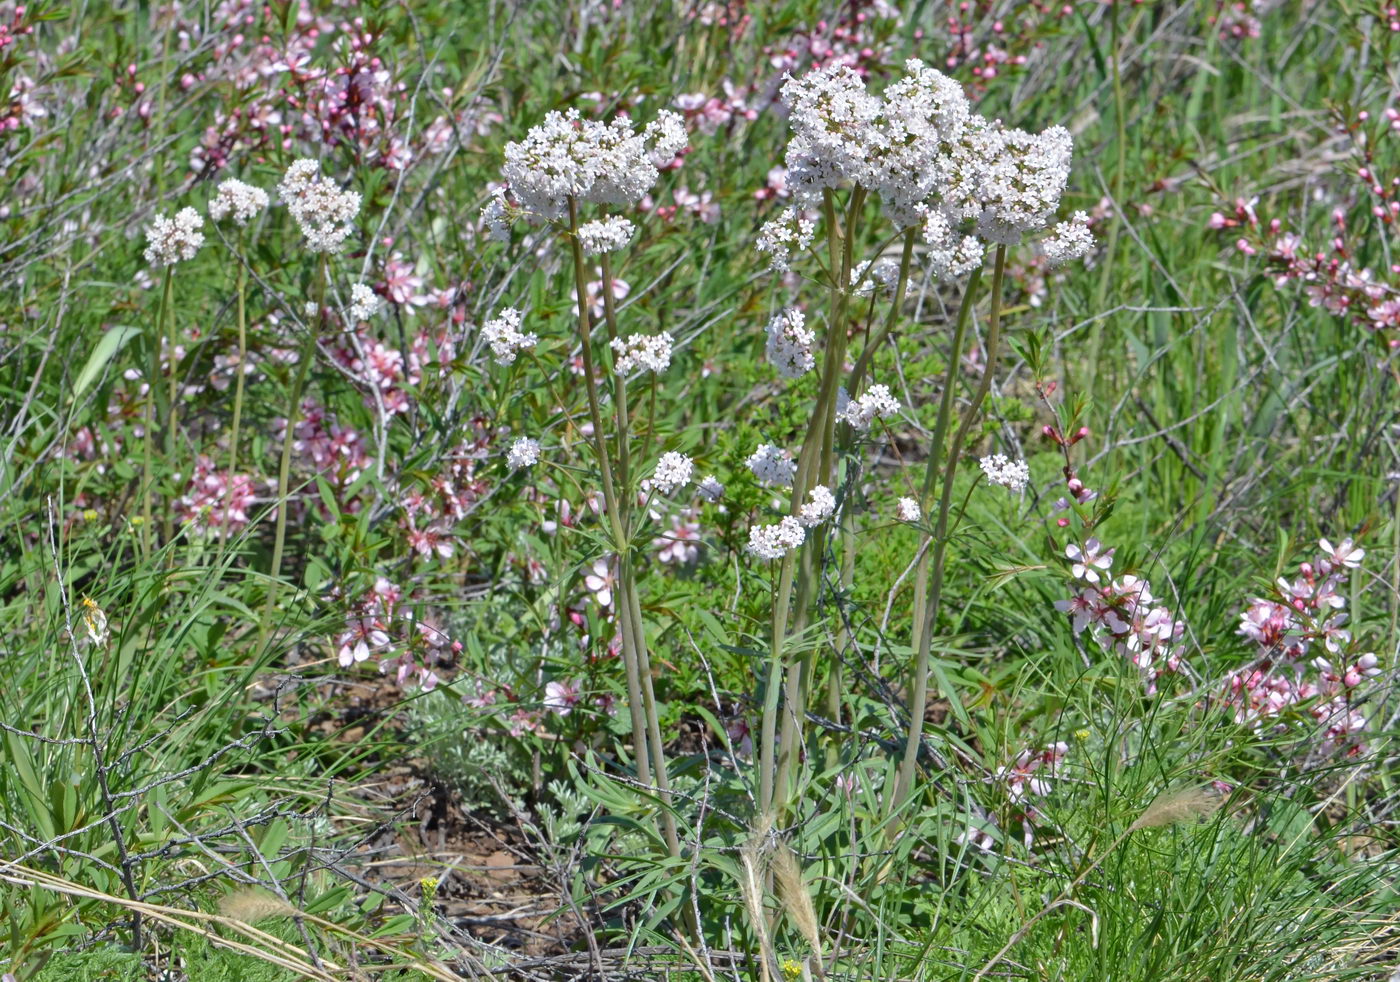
321 209
875 403
771 466
1023 176
920 150
524 452
673 471
908 510
566 156
497 215
173 240
790 343
668 137
1068 241
710 489
605 235
364 302
503 335
783 236
819 508
776 541
881 275
243 201
650 353
950 256
1010 474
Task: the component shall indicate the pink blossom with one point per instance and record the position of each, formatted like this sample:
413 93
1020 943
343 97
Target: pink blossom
561 697
1089 561
601 582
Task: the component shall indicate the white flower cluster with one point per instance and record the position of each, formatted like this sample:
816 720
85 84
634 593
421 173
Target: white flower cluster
364 302
502 333
1068 241
673 470
498 214
950 256
772 467
880 276
566 156
173 240
241 201
321 209
929 158
790 343
605 235
819 507
1013 475
783 236
776 541
524 452
710 488
875 403
908 510
649 352
1023 176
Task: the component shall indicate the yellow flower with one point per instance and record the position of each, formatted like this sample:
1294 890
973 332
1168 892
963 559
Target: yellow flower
791 968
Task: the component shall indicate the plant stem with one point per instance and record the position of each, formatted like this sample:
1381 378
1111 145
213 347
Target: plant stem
284 467
927 603
152 414
848 527
172 420
242 359
628 577
612 507
814 467
242 290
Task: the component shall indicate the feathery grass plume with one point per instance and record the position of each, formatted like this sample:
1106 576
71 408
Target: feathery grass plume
1181 805
1168 808
753 862
253 905
797 900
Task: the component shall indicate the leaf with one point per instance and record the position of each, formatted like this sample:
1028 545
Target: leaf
1006 572
112 342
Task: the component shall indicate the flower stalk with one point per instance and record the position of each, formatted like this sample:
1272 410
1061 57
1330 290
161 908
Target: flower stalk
933 554
284 466
617 490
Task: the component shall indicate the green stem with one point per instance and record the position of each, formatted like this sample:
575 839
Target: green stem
284 466
815 465
172 420
628 576
927 603
152 415
242 359
242 290
611 506
848 526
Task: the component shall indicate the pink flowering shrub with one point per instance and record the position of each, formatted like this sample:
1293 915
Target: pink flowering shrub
1306 662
